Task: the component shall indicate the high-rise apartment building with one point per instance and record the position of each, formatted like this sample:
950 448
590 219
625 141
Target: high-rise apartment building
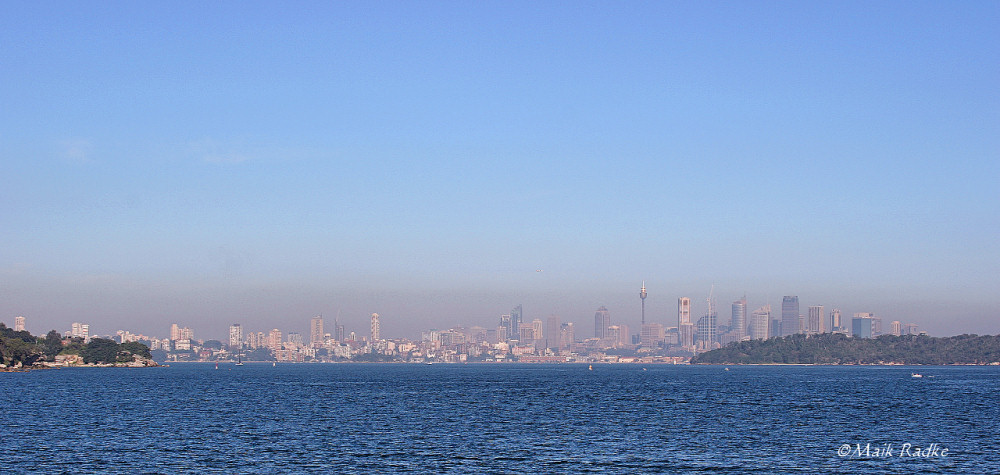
376 327
19 323
817 319
80 330
274 339
316 334
175 331
896 328
760 322
235 337
739 319
602 320
789 315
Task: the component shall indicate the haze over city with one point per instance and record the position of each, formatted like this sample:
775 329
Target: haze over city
440 163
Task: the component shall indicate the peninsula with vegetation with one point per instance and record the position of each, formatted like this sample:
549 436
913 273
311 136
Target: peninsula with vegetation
20 350
839 349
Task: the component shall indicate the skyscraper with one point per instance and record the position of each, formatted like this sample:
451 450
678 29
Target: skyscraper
552 332
683 311
175 331
567 335
789 315
642 300
896 328
739 319
685 329
505 330
835 324
338 330
235 337
19 323
759 323
516 318
376 328
316 334
707 327
817 320
602 320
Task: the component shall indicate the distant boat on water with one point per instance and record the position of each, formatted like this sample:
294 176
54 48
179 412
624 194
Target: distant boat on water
916 375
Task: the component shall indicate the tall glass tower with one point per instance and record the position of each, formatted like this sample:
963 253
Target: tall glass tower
739 321
789 315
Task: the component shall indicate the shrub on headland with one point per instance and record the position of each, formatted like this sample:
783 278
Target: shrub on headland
830 348
21 349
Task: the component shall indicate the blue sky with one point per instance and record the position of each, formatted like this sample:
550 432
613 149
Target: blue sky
263 163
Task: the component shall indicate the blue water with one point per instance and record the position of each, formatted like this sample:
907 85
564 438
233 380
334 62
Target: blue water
329 418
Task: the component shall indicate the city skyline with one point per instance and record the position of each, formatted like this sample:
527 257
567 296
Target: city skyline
815 320
440 163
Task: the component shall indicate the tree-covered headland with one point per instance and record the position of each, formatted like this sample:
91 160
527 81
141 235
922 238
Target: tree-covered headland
833 348
22 349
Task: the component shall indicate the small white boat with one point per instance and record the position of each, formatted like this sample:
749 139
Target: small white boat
916 375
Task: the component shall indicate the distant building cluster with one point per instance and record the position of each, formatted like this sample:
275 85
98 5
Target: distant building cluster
515 338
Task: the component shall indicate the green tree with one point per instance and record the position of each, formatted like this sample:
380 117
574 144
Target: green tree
136 348
100 350
52 345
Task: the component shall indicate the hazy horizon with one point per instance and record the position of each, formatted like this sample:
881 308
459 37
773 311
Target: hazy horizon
439 163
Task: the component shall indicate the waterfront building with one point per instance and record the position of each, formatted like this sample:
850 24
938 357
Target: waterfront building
789 315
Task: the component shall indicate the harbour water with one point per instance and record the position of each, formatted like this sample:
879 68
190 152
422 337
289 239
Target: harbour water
363 418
